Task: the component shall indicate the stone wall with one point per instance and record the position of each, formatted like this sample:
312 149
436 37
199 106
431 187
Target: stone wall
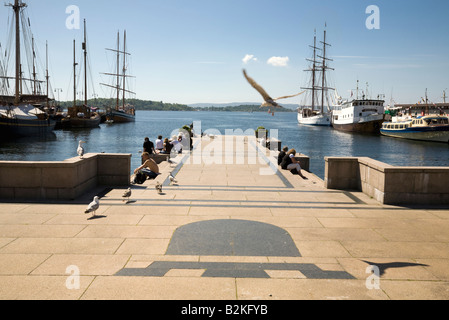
62 180
388 184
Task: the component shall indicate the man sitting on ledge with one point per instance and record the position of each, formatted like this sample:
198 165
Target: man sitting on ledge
289 162
149 168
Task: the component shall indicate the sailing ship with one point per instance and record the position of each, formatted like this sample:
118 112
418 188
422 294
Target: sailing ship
81 116
122 112
318 113
359 115
20 114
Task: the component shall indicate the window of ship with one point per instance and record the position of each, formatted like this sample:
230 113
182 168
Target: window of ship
401 126
396 126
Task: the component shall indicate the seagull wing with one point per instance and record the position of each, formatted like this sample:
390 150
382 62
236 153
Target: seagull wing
286 97
93 206
256 86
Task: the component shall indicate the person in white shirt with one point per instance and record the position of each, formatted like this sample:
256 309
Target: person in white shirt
159 144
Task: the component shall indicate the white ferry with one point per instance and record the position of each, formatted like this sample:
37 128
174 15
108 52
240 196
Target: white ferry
426 128
364 116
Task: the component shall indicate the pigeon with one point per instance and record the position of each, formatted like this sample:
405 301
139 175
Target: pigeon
268 101
80 149
172 178
159 188
93 206
127 194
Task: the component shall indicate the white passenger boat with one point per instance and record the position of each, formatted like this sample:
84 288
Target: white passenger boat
360 115
426 128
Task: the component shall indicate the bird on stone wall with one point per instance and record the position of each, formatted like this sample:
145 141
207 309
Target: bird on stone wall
268 100
93 206
80 149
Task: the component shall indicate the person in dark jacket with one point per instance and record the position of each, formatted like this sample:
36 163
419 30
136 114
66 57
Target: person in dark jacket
282 155
289 162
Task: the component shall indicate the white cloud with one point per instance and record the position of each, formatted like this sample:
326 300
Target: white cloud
248 58
278 61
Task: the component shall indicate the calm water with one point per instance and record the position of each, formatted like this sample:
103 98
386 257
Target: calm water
316 142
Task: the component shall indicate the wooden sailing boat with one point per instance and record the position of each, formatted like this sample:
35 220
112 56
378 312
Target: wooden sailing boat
81 116
122 112
19 113
315 114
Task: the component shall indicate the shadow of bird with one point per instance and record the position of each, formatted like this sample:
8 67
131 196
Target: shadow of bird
268 100
384 266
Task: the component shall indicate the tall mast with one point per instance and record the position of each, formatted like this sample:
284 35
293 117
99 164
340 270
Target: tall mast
124 69
325 67
46 66
85 64
314 72
17 6
323 80
74 74
118 70
34 67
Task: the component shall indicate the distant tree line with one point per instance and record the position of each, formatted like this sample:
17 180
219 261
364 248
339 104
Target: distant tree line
148 105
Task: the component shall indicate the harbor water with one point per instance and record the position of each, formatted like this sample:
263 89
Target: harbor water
315 142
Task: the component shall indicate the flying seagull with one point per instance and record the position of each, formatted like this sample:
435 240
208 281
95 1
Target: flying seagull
80 149
93 206
268 101
172 178
159 188
127 194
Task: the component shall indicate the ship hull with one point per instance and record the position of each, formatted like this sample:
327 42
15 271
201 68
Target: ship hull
316 120
433 136
365 127
121 117
84 123
25 128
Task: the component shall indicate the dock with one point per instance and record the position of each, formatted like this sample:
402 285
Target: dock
234 226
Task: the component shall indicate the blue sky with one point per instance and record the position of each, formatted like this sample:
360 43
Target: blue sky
190 51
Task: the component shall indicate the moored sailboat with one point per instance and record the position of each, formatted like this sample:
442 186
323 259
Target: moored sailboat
317 113
81 116
122 112
19 115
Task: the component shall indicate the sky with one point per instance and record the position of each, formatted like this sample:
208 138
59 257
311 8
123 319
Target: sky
193 51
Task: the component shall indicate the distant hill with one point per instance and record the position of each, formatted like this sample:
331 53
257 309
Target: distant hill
138 104
243 108
149 105
236 104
